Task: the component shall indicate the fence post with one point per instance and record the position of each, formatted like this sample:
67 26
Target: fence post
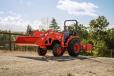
10 47
14 46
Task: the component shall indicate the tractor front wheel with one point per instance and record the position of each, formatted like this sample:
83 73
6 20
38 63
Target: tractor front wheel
42 52
57 50
74 47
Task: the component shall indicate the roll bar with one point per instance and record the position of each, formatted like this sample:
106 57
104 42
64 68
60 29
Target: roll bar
76 22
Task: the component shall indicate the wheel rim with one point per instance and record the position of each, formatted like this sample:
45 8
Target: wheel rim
77 48
59 50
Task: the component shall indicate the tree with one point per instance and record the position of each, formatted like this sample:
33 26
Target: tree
29 30
110 38
99 24
99 34
54 25
43 30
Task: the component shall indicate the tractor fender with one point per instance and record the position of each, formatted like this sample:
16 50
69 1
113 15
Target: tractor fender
71 38
55 41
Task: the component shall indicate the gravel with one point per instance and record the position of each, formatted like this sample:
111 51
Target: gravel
18 63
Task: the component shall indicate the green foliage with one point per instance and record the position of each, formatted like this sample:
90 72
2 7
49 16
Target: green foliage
54 25
99 36
4 36
99 48
79 29
109 38
99 24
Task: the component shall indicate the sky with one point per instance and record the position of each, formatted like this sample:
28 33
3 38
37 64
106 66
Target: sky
15 15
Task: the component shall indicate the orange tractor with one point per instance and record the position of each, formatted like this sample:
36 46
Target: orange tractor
58 42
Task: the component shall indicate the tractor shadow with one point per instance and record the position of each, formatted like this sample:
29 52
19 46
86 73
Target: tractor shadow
52 58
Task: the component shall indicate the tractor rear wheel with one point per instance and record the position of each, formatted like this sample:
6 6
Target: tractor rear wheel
74 47
57 50
42 52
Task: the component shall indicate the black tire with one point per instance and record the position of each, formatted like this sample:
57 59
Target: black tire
71 50
57 50
42 52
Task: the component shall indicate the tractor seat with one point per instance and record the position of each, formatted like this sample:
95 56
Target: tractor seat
66 36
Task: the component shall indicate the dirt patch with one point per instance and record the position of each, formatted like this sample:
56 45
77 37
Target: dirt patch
30 64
